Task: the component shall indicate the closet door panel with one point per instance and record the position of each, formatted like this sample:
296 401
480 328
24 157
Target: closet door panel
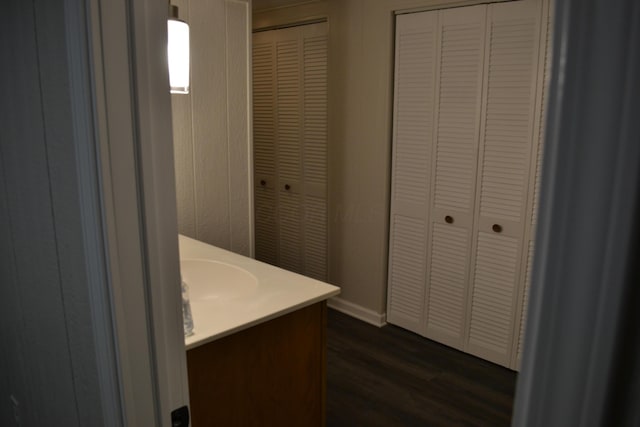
494 278
415 63
509 116
544 71
264 148
521 319
315 237
291 238
504 163
266 225
289 227
460 63
447 278
315 105
289 103
289 127
461 35
407 253
314 144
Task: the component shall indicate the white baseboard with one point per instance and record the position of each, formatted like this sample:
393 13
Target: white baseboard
357 311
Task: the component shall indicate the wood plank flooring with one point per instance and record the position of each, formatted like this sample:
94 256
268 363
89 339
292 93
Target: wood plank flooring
391 377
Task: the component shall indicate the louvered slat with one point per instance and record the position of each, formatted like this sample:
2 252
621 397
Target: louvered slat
288 89
265 226
508 118
263 109
407 271
458 108
315 110
289 151
411 162
290 244
525 299
447 284
540 148
315 237
493 287
314 145
264 149
414 115
460 62
537 151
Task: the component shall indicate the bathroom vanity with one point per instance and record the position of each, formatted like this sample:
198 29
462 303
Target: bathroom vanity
257 355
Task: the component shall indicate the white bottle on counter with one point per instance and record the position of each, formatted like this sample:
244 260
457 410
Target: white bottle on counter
187 319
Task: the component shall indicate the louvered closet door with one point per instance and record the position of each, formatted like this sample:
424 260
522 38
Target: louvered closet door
289 116
506 140
290 148
544 72
461 34
264 148
415 70
314 148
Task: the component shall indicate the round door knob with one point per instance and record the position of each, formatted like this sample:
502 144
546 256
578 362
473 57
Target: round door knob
287 187
497 228
263 182
448 219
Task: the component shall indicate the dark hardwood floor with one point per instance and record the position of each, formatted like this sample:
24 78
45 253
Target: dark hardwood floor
391 377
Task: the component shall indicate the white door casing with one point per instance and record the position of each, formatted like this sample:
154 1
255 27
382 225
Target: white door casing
133 125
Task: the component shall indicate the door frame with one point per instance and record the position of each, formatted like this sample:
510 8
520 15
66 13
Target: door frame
580 361
133 139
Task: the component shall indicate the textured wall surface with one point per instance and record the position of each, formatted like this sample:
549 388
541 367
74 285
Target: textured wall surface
211 127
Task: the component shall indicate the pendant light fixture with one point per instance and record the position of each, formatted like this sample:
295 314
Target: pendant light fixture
178 52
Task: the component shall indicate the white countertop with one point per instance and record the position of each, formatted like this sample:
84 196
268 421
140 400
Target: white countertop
278 292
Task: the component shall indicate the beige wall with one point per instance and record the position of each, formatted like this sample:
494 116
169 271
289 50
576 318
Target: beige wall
360 113
212 127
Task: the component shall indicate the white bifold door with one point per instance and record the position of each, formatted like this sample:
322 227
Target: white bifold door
290 148
469 86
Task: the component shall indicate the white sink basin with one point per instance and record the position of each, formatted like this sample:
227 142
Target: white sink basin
214 280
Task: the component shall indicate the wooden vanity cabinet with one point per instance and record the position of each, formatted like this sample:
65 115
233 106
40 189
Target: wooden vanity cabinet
272 374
